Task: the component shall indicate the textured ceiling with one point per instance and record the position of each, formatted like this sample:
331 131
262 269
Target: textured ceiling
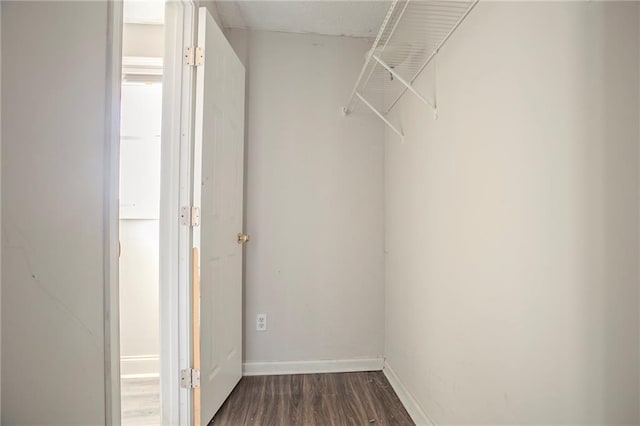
344 18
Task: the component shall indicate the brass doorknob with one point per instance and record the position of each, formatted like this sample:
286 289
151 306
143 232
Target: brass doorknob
242 238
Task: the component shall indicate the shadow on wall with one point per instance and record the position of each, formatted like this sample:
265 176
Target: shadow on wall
512 220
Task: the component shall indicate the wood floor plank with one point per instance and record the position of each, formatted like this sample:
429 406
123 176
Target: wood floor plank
340 399
140 401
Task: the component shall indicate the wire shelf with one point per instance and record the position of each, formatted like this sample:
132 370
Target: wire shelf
411 35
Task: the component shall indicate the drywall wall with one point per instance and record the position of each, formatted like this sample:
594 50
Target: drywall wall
0 213
139 297
314 201
512 221
139 228
53 144
143 40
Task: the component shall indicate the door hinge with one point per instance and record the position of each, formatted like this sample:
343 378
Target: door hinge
190 378
190 216
199 56
188 56
194 56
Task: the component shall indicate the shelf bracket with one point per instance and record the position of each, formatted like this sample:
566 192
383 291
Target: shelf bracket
404 82
379 114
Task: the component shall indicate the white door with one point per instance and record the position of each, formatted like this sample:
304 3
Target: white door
219 167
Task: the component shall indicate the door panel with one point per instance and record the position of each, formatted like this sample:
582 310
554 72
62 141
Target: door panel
219 168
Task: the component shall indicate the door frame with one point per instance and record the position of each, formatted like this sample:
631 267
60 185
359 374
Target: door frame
111 215
176 191
176 239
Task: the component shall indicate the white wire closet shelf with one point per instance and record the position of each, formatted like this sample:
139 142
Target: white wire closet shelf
411 35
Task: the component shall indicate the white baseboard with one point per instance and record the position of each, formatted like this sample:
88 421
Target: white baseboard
138 366
409 402
140 376
310 367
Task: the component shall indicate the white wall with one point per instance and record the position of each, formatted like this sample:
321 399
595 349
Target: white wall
314 201
139 297
139 228
140 209
512 221
53 106
0 213
146 40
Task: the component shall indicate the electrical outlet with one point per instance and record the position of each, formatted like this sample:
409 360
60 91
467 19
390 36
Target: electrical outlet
261 322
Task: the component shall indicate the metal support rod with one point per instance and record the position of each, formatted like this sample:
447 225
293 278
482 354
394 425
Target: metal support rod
382 117
366 63
404 82
435 52
386 43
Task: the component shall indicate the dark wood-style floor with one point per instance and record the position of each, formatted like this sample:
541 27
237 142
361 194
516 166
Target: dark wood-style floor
313 400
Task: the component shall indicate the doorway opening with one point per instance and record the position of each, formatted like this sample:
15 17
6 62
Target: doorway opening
139 213
185 204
